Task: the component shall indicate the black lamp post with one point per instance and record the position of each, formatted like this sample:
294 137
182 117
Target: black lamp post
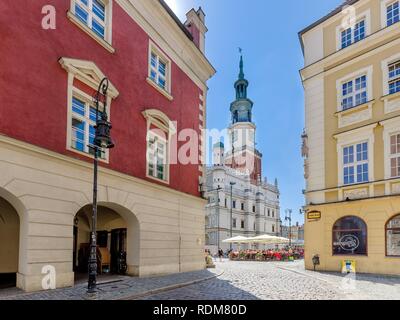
102 140
218 190
288 217
231 215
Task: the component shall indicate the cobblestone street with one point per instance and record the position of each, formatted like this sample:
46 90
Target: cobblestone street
287 281
233 281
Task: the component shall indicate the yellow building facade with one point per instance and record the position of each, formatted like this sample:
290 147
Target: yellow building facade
351 143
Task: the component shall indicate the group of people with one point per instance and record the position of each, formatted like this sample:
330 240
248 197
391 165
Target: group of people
287 253
220 254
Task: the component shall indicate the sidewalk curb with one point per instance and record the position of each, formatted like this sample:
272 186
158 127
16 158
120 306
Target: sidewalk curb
169 288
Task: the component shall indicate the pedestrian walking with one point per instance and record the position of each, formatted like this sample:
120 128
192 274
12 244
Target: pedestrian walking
220 254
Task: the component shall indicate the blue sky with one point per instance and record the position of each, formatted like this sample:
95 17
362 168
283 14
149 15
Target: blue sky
267 32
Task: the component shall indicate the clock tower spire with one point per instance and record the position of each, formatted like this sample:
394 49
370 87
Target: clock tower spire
243 156
241 108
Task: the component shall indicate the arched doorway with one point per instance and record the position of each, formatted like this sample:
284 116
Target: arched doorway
9 244
117 241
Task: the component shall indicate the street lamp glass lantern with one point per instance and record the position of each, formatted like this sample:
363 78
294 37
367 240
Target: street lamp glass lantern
103 138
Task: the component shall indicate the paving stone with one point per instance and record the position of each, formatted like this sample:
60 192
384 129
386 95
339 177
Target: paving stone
283 281
240 281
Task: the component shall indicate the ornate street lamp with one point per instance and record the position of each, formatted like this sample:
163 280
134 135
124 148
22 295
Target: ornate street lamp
102 140
288 217
231 213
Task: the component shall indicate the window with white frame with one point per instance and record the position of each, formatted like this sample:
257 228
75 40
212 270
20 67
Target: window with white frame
159 69
395 155
392 13
156 156
346 38
354 92
355 163
83 125
160 130
394 77
354 34
93 14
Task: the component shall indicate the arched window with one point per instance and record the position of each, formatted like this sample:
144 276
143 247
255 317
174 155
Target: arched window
393 237
349 236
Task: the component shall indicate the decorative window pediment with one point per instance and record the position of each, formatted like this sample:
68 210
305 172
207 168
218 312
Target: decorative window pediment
87 72
159 119
81 120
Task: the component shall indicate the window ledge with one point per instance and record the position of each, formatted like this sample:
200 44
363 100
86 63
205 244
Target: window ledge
88 155
157 179
90 32
162 91
356 108
391 96
356 185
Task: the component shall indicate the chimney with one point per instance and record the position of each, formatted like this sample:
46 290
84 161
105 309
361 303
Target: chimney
195 23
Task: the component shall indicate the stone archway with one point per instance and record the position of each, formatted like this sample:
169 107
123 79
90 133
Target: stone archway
117 234
9 244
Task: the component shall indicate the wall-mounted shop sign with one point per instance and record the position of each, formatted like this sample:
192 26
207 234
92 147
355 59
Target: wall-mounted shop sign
314 215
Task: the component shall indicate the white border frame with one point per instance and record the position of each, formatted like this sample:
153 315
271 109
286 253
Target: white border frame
167 92
384 5
385 72
360 135
390 127
153 117
78 69
368 71
106 42
366 15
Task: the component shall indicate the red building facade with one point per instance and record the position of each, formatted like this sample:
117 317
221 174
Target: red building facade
52 59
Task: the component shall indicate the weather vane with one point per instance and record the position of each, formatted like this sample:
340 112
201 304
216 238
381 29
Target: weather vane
240 50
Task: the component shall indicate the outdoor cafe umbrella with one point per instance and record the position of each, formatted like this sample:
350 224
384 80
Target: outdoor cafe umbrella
238 239
267 239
